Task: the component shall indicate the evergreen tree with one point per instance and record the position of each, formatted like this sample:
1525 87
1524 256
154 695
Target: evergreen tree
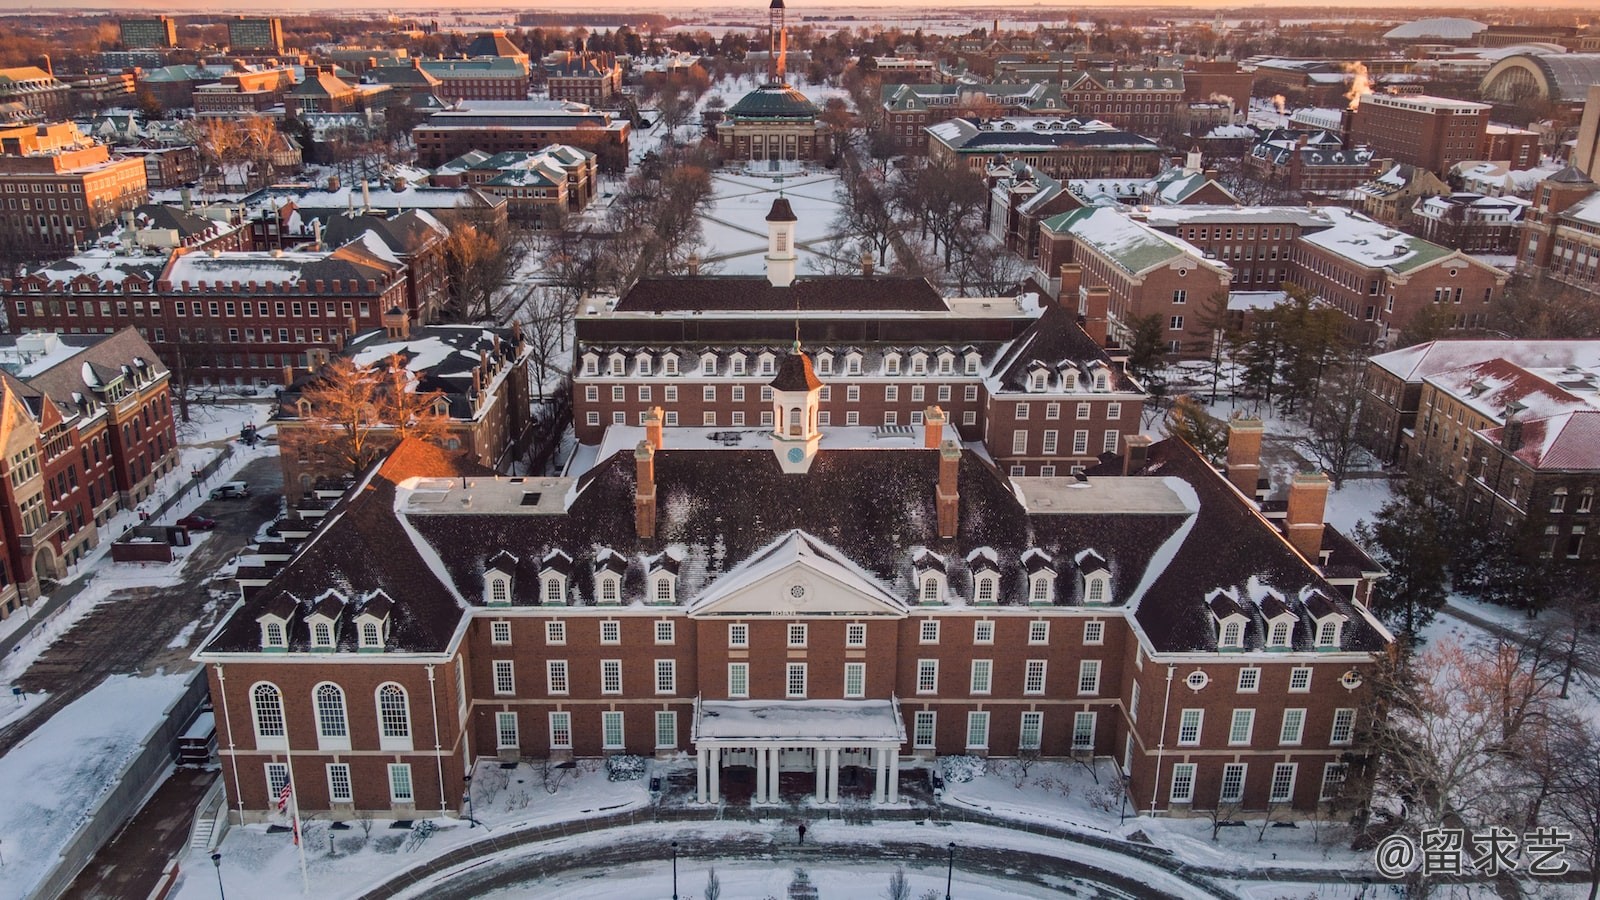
1411 537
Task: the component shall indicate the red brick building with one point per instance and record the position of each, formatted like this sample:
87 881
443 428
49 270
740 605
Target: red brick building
1061 148
60 188
526 126
1433 133
594 78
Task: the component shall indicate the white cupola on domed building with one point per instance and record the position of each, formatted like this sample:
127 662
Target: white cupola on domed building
796 394
780 245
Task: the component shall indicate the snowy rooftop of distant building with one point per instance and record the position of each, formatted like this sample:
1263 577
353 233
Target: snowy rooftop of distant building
1421 360
865 721
856 437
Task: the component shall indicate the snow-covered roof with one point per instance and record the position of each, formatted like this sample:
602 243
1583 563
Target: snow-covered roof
1132 245
1418 361
1495 387
1444 28
843 721
1374 245
1566 442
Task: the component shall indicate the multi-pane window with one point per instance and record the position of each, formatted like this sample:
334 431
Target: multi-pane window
1133 703
929 631
332 724
555 632
1244 722
738 680
394 717
561 731
1183 782
339 790
1080 442
1089 676
1083 730
983 632
555 671
505 681
1189 727
277 777
797 634
666 676
795 680
1031 735
923 729
1249 680
738 635
267 704
666 729
1033 677
665 631
1232 783
610 632
977 730
855 680
1344 720
1038 632
1094 632
400 783
855 634
505 730
1294 725
982 675
927 676
610 676
1300 679
1333 775
500 633
1282 783
611 731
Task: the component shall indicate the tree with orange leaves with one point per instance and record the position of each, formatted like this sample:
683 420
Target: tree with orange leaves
352 414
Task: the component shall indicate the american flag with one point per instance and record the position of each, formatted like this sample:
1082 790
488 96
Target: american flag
283 798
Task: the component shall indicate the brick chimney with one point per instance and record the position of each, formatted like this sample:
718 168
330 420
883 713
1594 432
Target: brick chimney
653 436
1097 315
288 376
948 498
1071 281
1244 454
933 422
1308 500
1136 452
644 494
866 263
693 263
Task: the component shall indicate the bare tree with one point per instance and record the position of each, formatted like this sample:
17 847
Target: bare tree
1335 411
899 887
713 885
354 413
1575 802
1222 814
546 317
480 258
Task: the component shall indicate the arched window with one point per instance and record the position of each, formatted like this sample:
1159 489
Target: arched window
986 589
332 724
1095 590
1230 634
369 634
324 634
266 707
394 718
608 590
552 590
794 422
1280 634
930 589
1041 590
274 635
664 590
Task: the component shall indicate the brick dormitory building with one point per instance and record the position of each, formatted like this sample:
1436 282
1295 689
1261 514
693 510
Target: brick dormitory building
808 601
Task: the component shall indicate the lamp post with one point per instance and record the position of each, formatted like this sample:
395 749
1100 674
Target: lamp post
674 870
471 822
216 861
950 871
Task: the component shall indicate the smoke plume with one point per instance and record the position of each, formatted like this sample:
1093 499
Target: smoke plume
1360 83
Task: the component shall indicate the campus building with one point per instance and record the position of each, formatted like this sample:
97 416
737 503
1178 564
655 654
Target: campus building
60 189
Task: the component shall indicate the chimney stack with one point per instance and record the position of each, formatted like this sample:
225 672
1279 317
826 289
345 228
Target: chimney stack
1071 281
948 498
1308 500
694 264
933 422
288 376
1097 315
1136 452
652 428
866 263
333 182
1244 455
644 496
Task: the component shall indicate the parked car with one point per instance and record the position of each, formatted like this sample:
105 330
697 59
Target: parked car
197 522
231 490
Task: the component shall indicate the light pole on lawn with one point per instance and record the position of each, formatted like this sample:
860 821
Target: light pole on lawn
674 870
216 861
950 871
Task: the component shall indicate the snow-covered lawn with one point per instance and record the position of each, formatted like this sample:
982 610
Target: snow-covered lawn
734 228
1357 501
52 780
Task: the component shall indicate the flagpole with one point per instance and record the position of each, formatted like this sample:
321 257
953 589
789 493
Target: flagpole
294 805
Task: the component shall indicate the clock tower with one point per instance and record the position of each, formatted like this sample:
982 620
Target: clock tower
796 393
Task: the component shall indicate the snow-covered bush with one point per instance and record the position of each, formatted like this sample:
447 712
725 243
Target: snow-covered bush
624 768
961 769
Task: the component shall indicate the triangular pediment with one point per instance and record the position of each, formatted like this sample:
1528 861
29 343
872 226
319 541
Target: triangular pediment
797 575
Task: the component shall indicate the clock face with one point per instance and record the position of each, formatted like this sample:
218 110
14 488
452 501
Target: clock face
796 454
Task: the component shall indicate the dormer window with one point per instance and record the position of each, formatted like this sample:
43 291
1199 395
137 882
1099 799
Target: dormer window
1040 589
891 364
1328 633
1232 635
371 636
738 364
643 360
555 589
591 364
768 365
1037 382
619 364
273 636
852 364
932 588
824 363
1101 382
664 588
1279 633
947 363
1069 381
669 364
708 364
973 361
498 591
919 363
1097 588
610 589
986 588
322 635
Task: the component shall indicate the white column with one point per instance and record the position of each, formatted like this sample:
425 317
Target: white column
716 774
880 767
819 758
772 780
894 774
700 775
761 775
833 774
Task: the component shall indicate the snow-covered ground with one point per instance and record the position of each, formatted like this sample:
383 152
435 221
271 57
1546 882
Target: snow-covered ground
56 775
734 228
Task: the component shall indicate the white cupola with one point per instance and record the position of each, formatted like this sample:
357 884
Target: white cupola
796 394
780 243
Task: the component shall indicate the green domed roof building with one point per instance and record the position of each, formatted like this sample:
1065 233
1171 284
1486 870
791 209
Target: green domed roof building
774 121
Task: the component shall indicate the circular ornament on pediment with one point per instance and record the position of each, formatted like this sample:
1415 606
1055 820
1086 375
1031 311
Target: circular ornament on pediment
1351 680
1197 680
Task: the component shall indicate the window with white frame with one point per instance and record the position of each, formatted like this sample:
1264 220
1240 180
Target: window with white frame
1031 733
1019 442
1038 632
1110 442
978 730
1133 702
1083 730
612 734
928 631
1294 725
505 681
1033 676
738 680
555 632
1282 783
400 790
855 634
333 725
277 777
1189 727
610 632
500 633
1183 782
1328 629
1089 676
505 731
794 681
499 591
1249 680
855 680
561 731
1333 775
927 676
983 631
1232 782
666 729
1244 722
1344 722
339 787
932 588
1050 437
924 730
738 635
982 676
1040 590
797 633
666 631
1097 589
610 676
394 718
1300 679
1094 632
1280 634
666 676
610 589
1052 411
266 707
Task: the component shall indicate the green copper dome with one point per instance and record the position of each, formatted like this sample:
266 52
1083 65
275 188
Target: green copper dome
774 101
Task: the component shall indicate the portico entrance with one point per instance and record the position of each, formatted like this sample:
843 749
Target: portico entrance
785 740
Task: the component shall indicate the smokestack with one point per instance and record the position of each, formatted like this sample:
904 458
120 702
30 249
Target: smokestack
933 422
866 263
644 496
188 199
653 434
1244 454
948 499
1136 452
1308 499
1071 282
366 197
316 233
1097 315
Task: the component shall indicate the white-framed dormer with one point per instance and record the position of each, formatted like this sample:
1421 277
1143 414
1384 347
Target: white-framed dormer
1038 377
372 624
1279 622
669 363
985 567
497 579
1041 576
824 360
708 363
617 364
1096 577
891 363
852 362
1100 374
591 363
322 622
736 362
919 362
1069 379
610 567
972 362
644 362
1327 623
766 363
662 580
1229 619
275 621
555 577
929 577
947 362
